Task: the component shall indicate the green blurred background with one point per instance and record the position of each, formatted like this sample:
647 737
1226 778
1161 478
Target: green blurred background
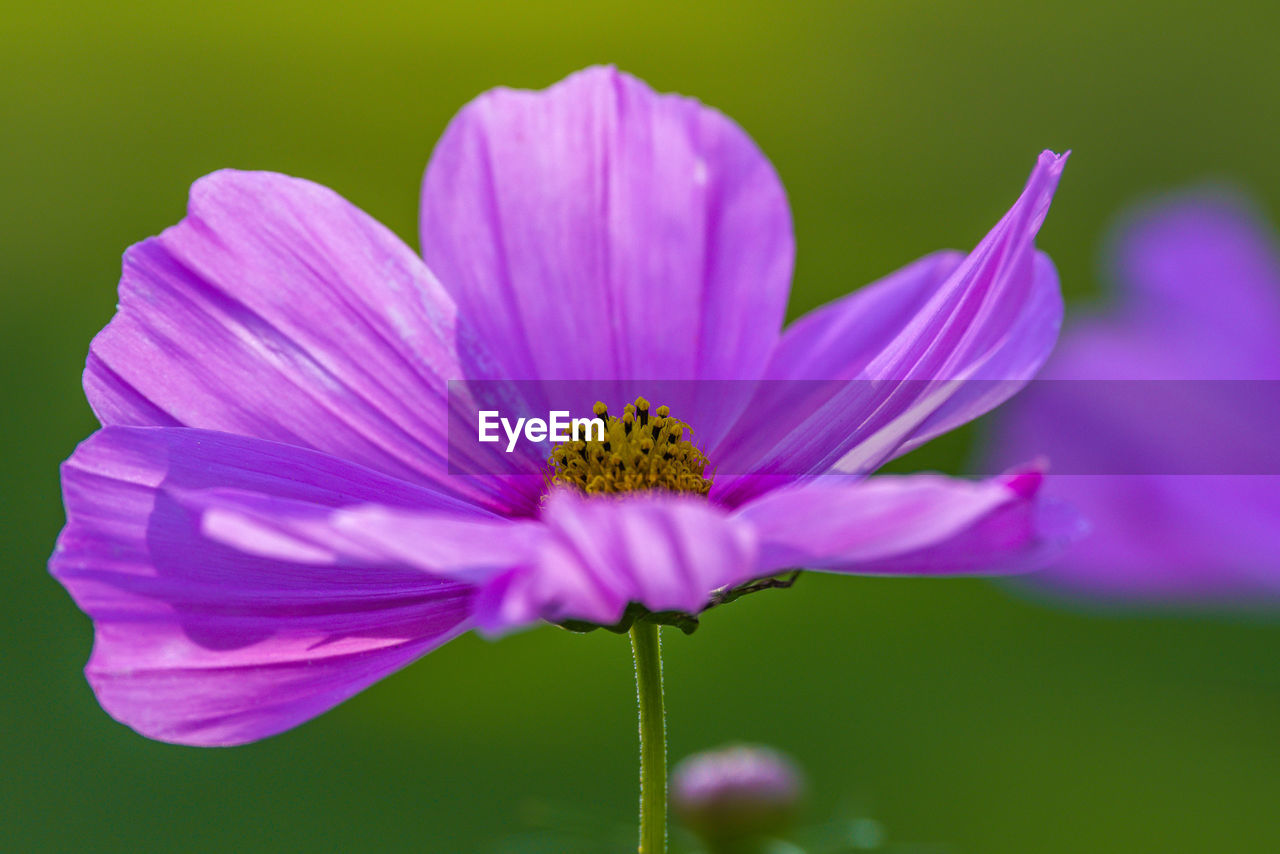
951 711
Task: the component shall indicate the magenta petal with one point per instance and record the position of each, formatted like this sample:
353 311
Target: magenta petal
913 525
277 309
598 554
933 346
198 643
597 230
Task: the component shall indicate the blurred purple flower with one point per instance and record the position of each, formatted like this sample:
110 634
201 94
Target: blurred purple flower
1199 300
266 525
736 791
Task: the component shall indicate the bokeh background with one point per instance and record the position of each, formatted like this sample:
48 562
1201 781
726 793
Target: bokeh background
953 712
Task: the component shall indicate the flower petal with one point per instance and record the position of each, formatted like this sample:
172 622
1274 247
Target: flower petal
584 559
913 525
599 231
918 354
199 643
599 554
277 309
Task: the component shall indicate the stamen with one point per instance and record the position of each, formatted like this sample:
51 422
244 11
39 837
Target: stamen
631 459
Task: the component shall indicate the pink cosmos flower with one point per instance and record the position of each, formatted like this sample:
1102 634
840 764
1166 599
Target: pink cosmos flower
1159 415
266 523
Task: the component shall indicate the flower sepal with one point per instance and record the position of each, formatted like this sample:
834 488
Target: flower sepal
684 621
687 623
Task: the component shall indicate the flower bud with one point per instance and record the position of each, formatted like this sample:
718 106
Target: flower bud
736 792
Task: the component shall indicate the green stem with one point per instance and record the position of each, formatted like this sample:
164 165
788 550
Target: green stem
647 649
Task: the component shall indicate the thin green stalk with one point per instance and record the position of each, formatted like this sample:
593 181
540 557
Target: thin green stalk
646 646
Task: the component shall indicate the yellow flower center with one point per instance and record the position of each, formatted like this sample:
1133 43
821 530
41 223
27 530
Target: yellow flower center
640 452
